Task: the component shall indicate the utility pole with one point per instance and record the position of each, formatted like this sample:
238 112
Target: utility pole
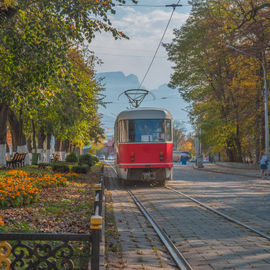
198 149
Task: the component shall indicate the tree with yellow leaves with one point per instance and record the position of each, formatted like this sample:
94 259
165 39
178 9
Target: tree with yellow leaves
224 88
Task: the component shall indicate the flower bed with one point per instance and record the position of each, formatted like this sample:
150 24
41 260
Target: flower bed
58 209
18 187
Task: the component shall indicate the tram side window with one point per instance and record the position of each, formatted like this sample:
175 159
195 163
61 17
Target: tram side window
123 131
131 131
168 128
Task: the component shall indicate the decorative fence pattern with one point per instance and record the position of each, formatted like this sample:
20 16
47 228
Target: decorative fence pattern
52 251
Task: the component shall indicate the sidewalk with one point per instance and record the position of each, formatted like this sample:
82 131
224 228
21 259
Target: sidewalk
229 170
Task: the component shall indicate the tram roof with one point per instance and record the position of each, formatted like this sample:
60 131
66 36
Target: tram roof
144 113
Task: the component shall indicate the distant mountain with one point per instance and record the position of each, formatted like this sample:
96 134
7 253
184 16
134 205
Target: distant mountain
117 82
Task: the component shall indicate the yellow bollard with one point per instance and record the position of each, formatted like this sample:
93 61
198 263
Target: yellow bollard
97 187
96 222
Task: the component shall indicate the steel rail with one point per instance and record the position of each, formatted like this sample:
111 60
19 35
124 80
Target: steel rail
222 214
175 253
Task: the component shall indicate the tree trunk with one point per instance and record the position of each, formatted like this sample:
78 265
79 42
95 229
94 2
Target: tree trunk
70 147
29 144
29 147
41 139
57 145
7 152
17 127
34 136
3 132
78 151
231 151
73 148
14 141
48 153
257 134
57 148
238 145
64 149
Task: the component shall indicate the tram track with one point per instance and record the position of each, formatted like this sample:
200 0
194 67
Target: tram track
247 240
200 234
219 213
211 209
141 247
177 256
175 253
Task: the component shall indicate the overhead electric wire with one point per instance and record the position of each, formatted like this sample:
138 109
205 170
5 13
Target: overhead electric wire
155 54
122 5
161 6
126 55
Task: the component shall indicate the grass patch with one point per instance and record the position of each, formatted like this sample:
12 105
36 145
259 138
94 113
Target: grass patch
35 169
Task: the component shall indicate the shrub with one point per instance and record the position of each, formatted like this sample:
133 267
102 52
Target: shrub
95 159
81 168
43 165
59 167
86 159
72 157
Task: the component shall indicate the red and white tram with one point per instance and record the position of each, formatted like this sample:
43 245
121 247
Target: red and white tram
143 145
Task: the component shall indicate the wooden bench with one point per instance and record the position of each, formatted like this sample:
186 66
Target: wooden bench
21 159
17 160
13 161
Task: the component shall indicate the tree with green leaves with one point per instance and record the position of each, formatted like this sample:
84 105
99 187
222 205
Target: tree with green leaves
34 48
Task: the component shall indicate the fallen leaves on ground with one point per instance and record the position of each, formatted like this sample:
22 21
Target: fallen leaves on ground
60 209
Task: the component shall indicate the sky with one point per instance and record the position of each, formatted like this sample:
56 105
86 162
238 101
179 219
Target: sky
144 26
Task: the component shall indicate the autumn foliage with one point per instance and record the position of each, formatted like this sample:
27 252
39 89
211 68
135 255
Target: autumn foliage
224 87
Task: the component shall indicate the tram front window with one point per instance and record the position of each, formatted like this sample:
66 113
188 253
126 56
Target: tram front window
147 130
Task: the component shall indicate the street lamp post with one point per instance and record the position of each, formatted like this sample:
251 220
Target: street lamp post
265 98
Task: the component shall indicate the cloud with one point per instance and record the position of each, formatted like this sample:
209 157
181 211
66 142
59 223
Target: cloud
151 24
145 30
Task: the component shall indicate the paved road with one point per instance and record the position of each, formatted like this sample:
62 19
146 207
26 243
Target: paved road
245 198
207 241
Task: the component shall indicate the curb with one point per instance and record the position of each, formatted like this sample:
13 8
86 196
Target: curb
224 172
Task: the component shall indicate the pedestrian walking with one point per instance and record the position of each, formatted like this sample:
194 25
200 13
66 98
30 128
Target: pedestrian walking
264 165
184 161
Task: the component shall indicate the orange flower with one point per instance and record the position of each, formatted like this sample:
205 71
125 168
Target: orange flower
19 183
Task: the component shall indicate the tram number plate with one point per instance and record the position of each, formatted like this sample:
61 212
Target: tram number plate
149 176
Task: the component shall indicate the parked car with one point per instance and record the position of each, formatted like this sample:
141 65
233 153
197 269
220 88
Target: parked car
186 155
110 157
102 157
178 155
